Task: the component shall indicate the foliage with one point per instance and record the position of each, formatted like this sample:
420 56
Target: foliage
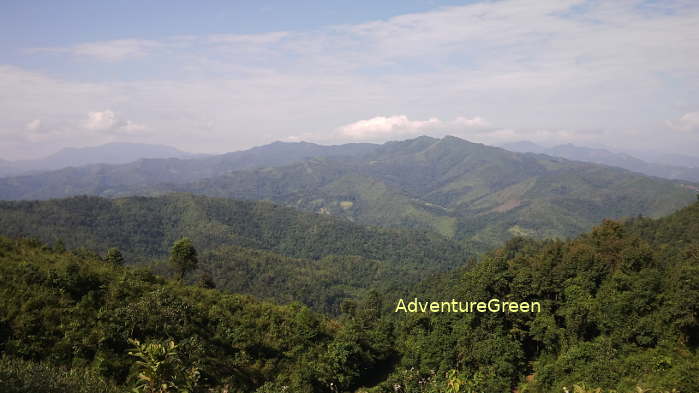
114 257
183 257
476 194
620 310
620 304
247 247
160 369
79 313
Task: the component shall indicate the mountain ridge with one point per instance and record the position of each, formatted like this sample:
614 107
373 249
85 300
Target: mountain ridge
477 194
113 153
610 158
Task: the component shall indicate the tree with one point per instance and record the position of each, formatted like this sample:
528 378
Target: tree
183 257
114 257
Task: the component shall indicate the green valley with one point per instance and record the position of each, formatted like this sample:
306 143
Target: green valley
249 247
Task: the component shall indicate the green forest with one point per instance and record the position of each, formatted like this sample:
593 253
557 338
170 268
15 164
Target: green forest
414 196
620 306
475 194
247 247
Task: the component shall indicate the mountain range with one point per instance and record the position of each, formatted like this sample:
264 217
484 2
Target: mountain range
110 153
477 194
621 160
618 311
120 180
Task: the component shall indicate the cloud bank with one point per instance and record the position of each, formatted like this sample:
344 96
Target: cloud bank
605 72
384 127
688 122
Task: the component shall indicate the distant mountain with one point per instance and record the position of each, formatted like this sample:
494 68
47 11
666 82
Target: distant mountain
606 157
471 192
477 194
7 169
120 180
680 160
110 153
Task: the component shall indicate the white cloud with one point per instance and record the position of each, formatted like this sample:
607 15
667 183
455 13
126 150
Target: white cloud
107 121
33 125
115 50
129 127
383 127
476 122
523 65
688 122
248 39
99 121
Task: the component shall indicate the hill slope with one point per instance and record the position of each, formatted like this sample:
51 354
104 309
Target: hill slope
617 313
119 180
620 309
476 194
316 259
470 192
78 312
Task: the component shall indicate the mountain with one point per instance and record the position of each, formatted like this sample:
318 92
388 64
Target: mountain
471 192
120 180
681 160
606 157
110 153
248 247
479 195
7 168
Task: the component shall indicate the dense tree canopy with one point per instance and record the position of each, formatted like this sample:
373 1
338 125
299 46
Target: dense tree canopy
620 310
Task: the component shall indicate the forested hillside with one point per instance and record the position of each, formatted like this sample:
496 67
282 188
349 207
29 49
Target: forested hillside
471 192
59 309
128 179
249 247
620 310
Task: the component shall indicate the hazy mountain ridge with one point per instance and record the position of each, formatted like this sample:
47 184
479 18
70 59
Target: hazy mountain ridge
121 180
616 159
478 194
110 153
468 191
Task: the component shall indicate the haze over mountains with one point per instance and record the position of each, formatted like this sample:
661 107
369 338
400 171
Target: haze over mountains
622 160
476 194
110 153
116 180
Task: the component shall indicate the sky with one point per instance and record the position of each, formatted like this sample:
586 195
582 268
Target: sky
219 76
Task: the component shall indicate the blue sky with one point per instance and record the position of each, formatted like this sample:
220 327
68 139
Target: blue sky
220 76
